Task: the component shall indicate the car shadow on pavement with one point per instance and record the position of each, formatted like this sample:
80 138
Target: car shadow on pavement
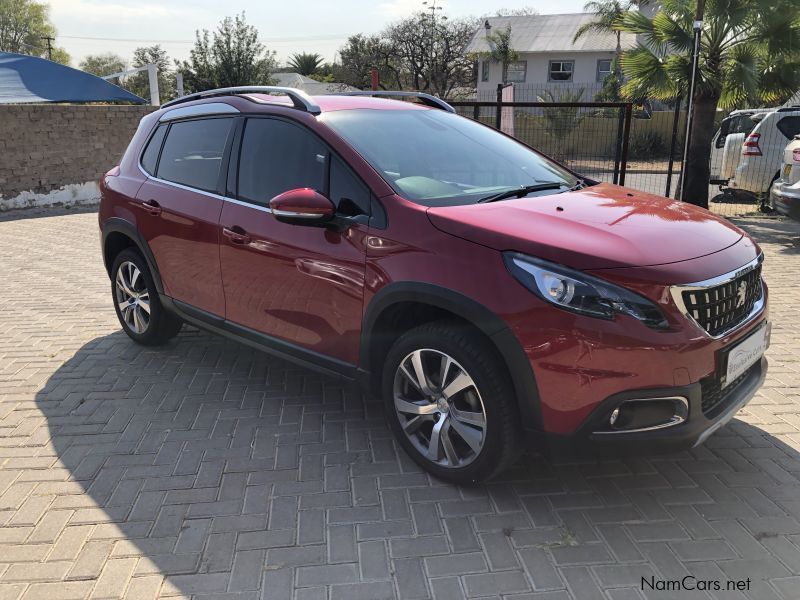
780 231
226 470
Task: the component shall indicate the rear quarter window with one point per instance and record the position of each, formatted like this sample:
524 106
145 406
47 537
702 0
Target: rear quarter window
789 126
193 151
150 155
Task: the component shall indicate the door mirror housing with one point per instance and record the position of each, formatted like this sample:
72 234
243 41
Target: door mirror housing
302 206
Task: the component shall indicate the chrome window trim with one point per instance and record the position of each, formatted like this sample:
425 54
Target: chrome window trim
211 108
676 291
674 420
203 192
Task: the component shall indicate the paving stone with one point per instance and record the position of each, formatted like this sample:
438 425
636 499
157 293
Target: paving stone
203 469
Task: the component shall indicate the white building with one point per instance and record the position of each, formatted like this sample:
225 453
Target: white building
548 58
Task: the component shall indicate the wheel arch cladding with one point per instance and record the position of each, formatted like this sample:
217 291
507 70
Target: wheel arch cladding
400 305
119 234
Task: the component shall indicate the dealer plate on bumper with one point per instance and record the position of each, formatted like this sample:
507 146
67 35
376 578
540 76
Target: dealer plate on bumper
746 353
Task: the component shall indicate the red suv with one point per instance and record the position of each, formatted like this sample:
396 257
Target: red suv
488 294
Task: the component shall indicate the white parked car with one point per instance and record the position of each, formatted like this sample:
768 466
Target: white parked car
785 196
726 147
747 151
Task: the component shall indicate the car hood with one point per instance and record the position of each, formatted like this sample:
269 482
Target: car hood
600 227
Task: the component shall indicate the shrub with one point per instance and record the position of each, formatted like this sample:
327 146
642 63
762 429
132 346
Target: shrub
648 144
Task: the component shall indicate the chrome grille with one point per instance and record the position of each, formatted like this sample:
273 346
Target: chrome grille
721 304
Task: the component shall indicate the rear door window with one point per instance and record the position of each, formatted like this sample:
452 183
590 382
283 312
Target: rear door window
789 126
193 152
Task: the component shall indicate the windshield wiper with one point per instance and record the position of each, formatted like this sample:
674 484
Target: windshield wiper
519 192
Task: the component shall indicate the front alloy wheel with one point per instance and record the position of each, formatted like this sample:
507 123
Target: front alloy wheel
133 297
439 408
450 402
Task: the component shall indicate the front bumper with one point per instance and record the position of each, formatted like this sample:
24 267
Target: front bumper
693 431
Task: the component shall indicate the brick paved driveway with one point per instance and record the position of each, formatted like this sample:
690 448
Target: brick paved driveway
205 469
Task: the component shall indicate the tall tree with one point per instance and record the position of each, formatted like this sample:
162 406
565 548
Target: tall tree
230 56
24 28
139 83
429 49
103 64
749 53
305 63
360 54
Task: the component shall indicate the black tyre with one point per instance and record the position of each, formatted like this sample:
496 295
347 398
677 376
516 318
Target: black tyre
136 301
450 402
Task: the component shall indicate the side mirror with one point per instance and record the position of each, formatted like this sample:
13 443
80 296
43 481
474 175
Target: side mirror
302 206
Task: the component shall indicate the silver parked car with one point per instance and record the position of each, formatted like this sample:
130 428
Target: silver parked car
785 196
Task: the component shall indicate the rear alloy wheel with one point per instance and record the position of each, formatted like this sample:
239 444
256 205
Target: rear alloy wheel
450 402
136 301
133 297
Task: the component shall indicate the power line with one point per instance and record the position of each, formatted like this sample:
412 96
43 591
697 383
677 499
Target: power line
144 41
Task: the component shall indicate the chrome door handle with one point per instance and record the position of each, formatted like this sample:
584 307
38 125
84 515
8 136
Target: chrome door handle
236 235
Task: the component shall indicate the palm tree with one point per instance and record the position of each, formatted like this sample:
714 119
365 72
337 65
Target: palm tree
749 53
561 122
305 63
608 14
500 49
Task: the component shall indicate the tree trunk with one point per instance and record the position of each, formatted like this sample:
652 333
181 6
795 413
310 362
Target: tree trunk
697 170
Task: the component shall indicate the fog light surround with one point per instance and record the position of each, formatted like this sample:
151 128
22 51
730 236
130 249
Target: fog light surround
647 414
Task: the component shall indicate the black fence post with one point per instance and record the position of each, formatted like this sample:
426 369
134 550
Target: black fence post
618 146
498 113
673 143
626 137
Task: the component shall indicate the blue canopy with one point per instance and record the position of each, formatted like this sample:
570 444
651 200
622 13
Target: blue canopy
31 79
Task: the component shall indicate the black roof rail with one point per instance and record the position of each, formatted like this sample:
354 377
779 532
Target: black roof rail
299 98
424 98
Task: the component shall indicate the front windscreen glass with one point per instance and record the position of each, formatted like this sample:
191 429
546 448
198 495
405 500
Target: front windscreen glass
437 158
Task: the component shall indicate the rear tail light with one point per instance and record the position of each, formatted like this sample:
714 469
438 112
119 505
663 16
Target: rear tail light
796 155
750 146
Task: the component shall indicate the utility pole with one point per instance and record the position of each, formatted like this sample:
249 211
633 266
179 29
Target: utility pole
49 41
697 26
431 6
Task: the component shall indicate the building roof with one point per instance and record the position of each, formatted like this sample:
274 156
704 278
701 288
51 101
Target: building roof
550 33
310 86
26 79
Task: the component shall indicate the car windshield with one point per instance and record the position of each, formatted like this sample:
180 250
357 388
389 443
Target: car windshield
437 158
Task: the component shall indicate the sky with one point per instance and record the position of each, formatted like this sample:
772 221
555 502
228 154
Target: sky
286 27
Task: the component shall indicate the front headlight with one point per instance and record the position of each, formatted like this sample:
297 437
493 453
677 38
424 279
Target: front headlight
581 293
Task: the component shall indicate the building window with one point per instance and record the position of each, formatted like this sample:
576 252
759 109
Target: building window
485 70
603 69
516 71
561 70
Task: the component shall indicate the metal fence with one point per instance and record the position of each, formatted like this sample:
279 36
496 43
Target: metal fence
590 138
616 142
